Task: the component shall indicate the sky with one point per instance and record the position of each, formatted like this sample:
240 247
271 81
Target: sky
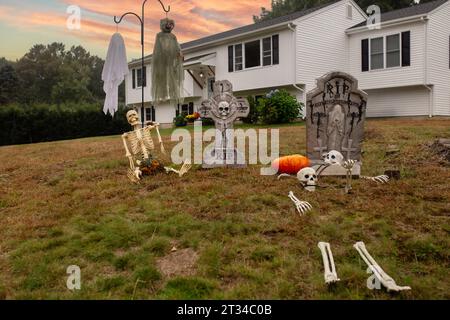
24 23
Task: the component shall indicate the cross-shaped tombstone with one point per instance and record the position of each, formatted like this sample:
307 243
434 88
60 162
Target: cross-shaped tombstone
224 108
349 149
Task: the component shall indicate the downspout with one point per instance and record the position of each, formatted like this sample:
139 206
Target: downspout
425 75
292 27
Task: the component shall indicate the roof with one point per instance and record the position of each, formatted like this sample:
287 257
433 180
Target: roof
415 10
253 27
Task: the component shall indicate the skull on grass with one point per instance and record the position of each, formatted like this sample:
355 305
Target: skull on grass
308 179
333 157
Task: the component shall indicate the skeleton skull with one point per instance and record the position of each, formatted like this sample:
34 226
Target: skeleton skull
132 117
333 157
224 108
308 178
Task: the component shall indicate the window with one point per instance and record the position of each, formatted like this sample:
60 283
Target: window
211 82
267 51
393 51
253 54
150 114
238 57
349 11
396 54
139 79
377 53
187 109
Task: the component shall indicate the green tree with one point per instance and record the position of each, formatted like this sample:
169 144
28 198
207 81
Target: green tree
9 84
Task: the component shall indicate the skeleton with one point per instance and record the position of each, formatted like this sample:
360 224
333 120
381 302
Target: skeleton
301 206
348 166
328 263
138 145
308 179
379 274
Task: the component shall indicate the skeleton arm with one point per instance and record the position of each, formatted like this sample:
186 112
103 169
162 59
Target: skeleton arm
127 151
156 126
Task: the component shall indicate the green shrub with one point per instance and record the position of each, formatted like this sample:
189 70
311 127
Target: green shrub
42 122
180 120
278 107
253 115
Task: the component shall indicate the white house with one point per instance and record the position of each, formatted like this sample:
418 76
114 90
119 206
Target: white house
404 65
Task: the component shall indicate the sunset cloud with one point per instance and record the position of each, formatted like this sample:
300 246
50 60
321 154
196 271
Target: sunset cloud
194 19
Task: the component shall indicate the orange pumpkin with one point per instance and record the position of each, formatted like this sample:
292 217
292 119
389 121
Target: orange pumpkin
290 164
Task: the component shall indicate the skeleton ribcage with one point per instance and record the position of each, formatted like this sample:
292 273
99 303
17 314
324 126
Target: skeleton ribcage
136 145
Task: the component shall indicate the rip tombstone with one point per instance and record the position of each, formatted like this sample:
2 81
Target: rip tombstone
335 117
224 108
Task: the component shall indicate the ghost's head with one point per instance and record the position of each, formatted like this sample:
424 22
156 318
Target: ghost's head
167 25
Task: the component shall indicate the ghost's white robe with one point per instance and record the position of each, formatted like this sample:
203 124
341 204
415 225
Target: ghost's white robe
114 72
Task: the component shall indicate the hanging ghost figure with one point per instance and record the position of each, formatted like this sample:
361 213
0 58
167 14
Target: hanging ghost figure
335 130
167 65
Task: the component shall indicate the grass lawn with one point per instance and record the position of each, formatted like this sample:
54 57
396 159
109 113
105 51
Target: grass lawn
237 233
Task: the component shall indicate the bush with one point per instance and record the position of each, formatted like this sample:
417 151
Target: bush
278 107
253 115
180 120
42 122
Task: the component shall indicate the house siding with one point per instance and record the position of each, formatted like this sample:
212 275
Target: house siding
438 59
322 43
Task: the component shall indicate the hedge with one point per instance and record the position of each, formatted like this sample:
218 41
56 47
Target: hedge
21 124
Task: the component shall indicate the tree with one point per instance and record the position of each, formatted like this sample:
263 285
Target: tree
9 84
283 7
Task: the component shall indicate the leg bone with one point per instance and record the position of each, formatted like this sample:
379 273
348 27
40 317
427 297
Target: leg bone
328 263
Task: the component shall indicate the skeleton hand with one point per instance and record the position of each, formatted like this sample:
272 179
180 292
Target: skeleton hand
133 176
379 179
302 206
349 164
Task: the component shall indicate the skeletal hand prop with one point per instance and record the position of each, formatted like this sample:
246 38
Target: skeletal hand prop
379 274
184 169
301 206
348 166
330 274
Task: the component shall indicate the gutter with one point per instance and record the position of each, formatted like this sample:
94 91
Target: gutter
293 28
390 23
425 69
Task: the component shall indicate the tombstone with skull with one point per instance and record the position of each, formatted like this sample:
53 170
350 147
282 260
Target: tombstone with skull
223 108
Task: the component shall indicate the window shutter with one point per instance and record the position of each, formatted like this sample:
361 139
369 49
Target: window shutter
275 49
406 49
230 59
365 55
144 77
153 114
133 75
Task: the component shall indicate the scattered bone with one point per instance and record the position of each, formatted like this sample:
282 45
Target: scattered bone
380 275
378 179
302 206
184 169
330 274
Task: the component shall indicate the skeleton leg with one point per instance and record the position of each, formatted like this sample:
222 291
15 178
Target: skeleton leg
328 263
302 206
379 273
184 169
135 172
379 179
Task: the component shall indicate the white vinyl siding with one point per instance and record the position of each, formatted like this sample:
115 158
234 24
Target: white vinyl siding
395 102
438 59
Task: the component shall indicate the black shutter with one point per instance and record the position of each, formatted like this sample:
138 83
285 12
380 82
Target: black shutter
275 49
153 114
133 75
365 55
144 77
406 49
230 59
